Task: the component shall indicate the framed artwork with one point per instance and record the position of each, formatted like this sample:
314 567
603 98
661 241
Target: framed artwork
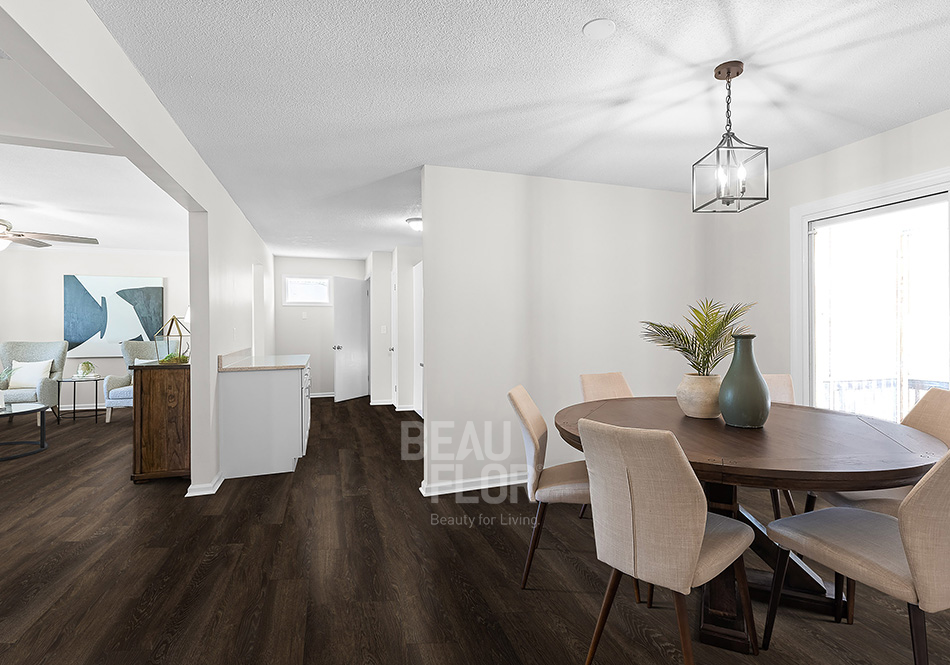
99 312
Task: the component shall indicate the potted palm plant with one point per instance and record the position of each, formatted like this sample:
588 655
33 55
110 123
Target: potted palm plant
704 343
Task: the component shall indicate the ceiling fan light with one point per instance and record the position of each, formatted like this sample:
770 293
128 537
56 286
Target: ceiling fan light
4 244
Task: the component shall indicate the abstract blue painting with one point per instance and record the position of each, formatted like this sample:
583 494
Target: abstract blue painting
101 311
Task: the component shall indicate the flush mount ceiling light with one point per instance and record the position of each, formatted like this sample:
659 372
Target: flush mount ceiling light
599 28
733 176
415 223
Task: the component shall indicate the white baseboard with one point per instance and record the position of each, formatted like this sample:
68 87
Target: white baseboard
316 395
206 488
406 408
381 402
469 484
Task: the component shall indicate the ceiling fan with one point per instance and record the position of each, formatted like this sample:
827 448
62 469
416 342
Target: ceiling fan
8 235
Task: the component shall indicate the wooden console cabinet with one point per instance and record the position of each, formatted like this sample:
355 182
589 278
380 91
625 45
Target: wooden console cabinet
161 407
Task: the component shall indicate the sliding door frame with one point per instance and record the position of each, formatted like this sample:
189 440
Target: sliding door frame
801 283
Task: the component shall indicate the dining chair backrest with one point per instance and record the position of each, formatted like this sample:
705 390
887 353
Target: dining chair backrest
931 414
925 532
781 388
609 385
648 507
535 433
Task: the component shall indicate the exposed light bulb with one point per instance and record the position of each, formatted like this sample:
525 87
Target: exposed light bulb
723 178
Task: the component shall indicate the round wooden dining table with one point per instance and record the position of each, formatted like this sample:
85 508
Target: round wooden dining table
799 448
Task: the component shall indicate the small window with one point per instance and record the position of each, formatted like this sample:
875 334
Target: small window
307 290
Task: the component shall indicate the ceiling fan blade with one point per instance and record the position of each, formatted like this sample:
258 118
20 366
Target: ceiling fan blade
29 242
55 237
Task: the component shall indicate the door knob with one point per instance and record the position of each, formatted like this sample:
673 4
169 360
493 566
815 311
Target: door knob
392 348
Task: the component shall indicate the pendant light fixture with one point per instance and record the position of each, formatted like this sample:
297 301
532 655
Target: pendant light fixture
733 176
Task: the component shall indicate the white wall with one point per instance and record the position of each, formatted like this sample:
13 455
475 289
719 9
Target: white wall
313 335
750 254
78 61
32 296
379 267
534 281
404 258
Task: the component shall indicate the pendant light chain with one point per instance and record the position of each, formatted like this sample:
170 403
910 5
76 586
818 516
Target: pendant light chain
728 109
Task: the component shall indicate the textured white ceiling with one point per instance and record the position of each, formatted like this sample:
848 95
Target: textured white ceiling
74 193
317 115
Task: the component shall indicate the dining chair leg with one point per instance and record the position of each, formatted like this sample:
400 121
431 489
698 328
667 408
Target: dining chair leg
636 590
580 515
778 581
839 597
850 593
776 505
650 597
682 620
535 537
612 585
810 500
790 501
743 583
918 634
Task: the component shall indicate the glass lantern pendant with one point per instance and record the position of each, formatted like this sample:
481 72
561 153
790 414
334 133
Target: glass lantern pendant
733 176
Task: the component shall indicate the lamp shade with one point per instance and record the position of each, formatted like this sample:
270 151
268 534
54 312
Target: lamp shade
732 177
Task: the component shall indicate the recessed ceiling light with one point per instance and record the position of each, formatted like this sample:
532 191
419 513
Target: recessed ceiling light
415 223
599 28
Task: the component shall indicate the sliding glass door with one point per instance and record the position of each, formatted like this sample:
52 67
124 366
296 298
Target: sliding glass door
880 307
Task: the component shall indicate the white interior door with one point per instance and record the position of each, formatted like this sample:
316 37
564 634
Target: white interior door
418 364
394 336
350 336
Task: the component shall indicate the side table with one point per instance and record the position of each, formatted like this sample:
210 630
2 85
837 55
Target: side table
74 380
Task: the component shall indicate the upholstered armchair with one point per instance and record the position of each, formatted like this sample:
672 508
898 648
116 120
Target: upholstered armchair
118 388
47 390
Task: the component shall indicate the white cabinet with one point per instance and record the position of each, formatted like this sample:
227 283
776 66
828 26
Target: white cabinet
264 414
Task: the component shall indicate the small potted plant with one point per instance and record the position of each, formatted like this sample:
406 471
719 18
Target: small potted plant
170 345
704 344
86 369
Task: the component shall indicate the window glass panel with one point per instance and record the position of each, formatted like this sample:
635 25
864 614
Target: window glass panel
881 308
306 291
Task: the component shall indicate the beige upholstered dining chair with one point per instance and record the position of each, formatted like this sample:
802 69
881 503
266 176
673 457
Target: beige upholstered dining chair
781 390
650 521
904 557
610 385
930 415
563 483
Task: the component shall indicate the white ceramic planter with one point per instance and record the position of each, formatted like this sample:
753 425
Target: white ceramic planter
698 396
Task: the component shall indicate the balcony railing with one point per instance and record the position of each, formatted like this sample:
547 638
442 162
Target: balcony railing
878 397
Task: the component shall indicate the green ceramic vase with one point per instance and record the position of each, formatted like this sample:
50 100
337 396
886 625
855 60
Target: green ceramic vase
744 396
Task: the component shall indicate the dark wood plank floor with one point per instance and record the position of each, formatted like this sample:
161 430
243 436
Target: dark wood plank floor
339 562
